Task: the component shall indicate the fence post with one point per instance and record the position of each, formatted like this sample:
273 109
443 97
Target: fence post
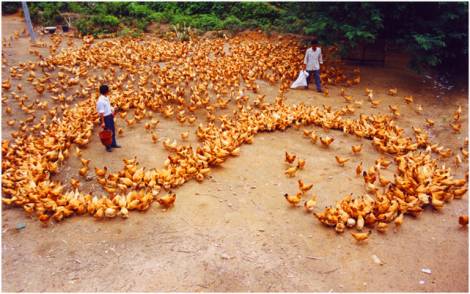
28 21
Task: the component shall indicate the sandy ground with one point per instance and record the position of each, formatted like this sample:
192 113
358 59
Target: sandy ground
235 231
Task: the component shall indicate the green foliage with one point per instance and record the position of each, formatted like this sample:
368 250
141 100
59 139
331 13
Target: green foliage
121 9
10 7
207 22
137 10
232 23
159 17
97 24
434 33
181 19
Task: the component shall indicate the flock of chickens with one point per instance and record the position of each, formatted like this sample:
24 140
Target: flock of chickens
186 81
418 182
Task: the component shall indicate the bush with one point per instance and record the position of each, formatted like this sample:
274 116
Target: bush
232 23
159 17
125 32
181 19
289 24
108 23
206 22
10 7
139 10
117 8
49 13
97 24
254 11
76 8
84 26
141 24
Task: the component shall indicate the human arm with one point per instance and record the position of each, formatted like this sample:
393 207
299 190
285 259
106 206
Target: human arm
306 57
100 110
101 119
320 58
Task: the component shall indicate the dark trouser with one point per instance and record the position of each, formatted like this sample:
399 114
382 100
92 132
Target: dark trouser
314 74
109 124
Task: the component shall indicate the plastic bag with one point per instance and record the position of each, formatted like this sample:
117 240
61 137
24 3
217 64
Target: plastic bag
301 80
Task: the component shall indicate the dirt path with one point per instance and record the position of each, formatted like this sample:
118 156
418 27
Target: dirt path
235 232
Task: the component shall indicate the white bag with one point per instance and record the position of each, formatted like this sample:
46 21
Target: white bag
301 80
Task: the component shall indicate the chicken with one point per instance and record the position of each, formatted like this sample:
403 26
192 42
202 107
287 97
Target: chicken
375 103
399 220
167 200
293 199
309 205
290 172
429 122
313 137
464 152
326 141
360 223
393 91
371 188
44 218
359 169
184 136
409 99
290 158
301 164
463 220
361 236
358 103
383 181
154 138
456 127
110 212
83 171
307 133
303 187
74 183
78 152
347 98
84 161
419 109
356 148
339 228
101 172
340 160
382 227
458 160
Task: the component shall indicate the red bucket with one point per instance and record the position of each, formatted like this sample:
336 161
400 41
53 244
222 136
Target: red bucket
106 137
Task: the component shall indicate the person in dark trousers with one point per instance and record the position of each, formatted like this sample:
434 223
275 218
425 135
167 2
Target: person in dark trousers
106 113
313 59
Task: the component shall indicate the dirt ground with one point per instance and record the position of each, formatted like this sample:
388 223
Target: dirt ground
234 231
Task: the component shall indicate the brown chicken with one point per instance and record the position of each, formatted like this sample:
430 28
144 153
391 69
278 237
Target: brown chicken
356 148
326 141
303 187
167 200
361 236
290 158
293 199
340 160
309 205
463 220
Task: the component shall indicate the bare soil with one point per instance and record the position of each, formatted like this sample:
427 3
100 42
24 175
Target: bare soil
235 232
